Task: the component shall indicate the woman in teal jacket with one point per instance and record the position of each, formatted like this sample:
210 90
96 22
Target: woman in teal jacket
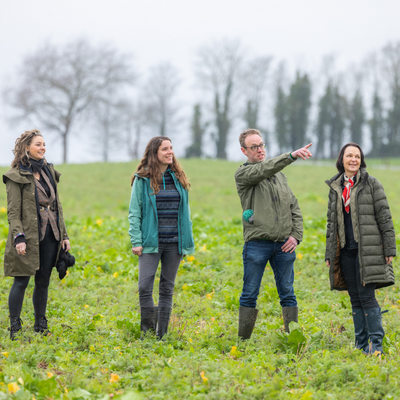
160 229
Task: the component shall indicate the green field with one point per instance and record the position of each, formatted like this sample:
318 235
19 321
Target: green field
95 351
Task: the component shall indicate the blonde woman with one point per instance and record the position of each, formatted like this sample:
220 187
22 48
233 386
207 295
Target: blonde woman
36 227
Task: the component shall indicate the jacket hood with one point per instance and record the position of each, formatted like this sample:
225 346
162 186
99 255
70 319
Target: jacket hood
19 174
16 175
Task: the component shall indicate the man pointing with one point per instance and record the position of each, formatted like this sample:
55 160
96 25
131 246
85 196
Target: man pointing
272 227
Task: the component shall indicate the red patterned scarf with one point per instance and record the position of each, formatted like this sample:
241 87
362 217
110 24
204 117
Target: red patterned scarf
348 184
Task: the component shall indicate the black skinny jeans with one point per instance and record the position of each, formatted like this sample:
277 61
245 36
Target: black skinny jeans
360 296
48 248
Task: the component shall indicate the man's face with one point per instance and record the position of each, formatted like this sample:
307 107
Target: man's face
257 155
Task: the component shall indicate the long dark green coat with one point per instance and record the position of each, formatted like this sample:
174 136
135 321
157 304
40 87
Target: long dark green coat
22 217
372 227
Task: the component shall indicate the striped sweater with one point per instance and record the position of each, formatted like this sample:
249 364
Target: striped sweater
167 201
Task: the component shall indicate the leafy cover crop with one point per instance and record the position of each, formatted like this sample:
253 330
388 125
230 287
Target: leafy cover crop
95 351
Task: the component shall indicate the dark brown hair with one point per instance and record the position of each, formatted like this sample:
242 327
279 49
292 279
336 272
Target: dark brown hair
248 132
149 166
339 162
20 151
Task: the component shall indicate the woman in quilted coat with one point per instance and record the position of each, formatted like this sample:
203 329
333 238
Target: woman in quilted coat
360 244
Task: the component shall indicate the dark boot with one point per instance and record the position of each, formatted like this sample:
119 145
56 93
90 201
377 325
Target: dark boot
41 325
15 327
164 314
148 319
376 333
360 329
247 320
289 314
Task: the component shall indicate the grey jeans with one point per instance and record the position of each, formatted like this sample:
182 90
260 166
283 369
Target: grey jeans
148 265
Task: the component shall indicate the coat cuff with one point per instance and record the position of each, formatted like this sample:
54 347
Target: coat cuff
19 239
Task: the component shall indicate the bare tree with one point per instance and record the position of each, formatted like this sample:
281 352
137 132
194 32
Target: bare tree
137 118
111 121
57 84
255 79
218 68
161 90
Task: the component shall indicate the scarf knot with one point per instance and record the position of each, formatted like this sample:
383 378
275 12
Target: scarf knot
36 165
348 184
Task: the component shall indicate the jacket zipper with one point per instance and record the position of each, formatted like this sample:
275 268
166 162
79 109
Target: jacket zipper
359 236
155 214
274 200
179 216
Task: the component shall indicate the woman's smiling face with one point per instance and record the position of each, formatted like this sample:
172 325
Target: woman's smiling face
37 148
351 160
165 153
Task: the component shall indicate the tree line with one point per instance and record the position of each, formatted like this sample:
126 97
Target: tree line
99 91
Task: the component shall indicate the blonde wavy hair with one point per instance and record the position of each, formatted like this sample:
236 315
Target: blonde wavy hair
20 150
149 166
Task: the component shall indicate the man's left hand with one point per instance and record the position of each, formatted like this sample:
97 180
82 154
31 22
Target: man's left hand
290 245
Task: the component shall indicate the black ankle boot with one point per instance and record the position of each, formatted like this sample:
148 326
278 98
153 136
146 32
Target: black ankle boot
41 325
164 314
148 319
15 327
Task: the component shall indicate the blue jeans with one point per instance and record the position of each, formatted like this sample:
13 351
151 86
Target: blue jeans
256 254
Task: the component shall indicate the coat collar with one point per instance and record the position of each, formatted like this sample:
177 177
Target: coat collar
335 181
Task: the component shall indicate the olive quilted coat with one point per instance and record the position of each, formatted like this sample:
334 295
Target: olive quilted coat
372 226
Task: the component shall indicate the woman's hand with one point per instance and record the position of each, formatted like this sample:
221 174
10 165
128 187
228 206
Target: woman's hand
66 245
328 263
137 251
389 259
21 249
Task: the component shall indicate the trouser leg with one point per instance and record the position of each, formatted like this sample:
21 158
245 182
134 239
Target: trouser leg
48 249
256 254
255 257
170 261
362 298
148 264
17 293
15 301
283 266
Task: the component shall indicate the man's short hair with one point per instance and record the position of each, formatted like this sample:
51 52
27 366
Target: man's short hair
248 132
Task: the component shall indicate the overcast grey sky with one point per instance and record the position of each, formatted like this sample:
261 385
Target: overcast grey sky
300 32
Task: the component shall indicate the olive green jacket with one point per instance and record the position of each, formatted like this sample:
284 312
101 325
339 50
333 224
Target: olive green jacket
23 218
372 228
264 189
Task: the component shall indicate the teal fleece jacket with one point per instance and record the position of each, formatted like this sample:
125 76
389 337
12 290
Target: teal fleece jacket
143 218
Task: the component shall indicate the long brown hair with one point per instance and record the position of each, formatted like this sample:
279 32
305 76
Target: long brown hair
20 151
149 166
